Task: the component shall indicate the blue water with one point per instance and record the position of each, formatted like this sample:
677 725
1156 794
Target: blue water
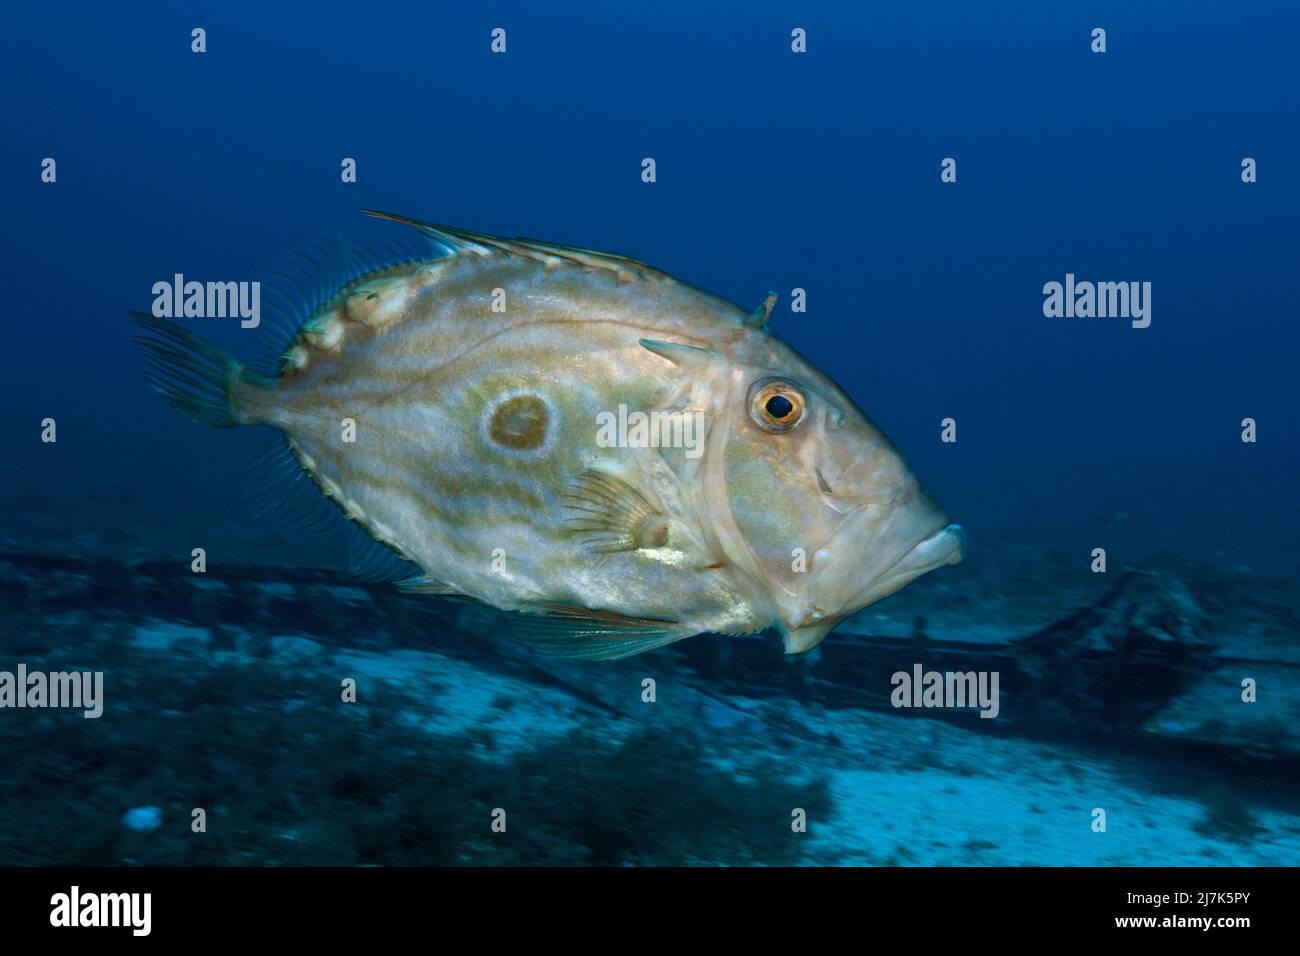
775 171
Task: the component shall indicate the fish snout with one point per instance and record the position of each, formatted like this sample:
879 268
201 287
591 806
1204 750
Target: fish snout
939 547
945 546
872 556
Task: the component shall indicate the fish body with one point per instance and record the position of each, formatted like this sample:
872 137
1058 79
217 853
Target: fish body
585 439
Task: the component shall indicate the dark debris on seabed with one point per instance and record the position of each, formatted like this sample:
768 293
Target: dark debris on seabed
223 691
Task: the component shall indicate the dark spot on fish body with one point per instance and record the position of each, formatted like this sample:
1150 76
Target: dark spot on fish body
520 423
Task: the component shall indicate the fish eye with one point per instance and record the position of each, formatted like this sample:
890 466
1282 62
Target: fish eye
776 405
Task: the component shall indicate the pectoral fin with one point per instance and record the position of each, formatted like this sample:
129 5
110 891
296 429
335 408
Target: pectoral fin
609 515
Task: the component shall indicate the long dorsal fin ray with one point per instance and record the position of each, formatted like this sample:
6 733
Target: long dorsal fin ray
550 254
453 241
625 266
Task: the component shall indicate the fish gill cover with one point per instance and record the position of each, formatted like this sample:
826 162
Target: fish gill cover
584 503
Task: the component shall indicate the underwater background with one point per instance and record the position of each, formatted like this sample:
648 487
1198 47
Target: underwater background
777 171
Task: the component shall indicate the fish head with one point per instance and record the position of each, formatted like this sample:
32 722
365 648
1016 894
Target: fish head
823 516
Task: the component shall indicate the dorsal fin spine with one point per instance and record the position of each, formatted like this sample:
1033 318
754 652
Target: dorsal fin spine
759 317
550 255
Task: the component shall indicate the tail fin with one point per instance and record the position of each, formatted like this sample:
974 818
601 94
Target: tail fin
193 376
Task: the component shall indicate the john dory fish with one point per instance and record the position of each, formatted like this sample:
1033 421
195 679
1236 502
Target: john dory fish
481 386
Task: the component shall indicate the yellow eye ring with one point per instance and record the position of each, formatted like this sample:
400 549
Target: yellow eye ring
776 405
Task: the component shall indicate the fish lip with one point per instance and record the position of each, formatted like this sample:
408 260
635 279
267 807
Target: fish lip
945 546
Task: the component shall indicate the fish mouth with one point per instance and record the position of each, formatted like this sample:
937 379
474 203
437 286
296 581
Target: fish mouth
945 546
